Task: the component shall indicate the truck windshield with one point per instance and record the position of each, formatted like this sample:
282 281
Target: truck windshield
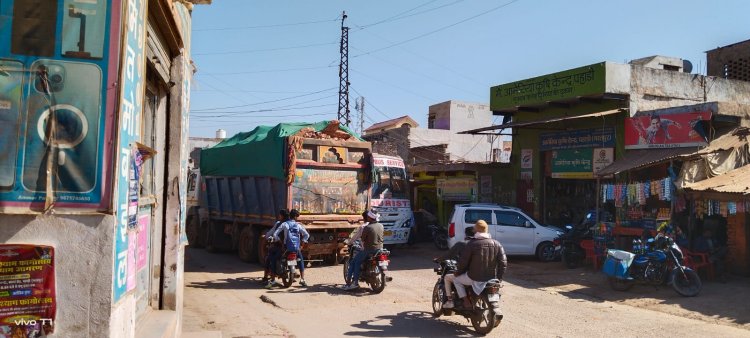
389 183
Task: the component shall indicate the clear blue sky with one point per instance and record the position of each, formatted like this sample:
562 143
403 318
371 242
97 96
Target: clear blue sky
264 62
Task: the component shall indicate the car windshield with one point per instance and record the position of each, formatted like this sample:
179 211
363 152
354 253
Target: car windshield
390 182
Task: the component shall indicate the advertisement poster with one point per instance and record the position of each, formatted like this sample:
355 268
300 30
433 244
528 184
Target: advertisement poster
603 157
54 103
144 225
572 163
527 158
459 189
27 290
666 130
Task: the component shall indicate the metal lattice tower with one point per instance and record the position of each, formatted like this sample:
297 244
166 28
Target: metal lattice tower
359 105
343 114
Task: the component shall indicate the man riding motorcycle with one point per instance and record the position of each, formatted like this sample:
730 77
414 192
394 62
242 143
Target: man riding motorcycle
483 259
372 241
274 250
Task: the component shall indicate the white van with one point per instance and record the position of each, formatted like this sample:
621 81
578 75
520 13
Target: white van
517 232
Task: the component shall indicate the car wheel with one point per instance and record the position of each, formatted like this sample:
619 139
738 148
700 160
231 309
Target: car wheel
545 252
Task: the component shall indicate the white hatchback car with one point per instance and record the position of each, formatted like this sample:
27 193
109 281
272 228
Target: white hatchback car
517 232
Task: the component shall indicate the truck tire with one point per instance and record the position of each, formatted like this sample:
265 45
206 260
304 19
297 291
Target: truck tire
193 231
248 245
210 231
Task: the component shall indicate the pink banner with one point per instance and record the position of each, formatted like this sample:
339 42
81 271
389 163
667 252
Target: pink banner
143 232
131 260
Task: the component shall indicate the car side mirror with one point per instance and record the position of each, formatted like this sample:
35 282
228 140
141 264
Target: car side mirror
528 224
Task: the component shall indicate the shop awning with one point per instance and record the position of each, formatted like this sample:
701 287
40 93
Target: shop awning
736 181
538 122
635 159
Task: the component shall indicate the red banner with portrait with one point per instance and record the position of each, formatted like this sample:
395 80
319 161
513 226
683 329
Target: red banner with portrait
667 130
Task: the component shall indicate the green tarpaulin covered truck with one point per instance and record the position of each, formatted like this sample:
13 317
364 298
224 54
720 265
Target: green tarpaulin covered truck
321 169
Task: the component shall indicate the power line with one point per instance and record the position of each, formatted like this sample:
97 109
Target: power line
265 26
211 118
262 109
395 86
437 30
271 70
264 102
266 49
235 114
396 17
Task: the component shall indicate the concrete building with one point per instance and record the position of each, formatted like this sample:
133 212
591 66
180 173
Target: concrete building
380 127
561 120
92 202
730 62
440 141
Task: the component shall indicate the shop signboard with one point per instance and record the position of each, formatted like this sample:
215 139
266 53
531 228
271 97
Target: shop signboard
582 81
459 189
572 163
58 61
603 157
583 138
666 130
27 289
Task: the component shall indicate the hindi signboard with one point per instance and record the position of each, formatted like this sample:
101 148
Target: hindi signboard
583 138
582 81
572 163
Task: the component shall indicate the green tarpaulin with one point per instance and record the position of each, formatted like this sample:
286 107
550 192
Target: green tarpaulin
259 152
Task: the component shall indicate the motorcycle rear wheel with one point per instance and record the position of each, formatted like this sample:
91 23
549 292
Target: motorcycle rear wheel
378 281
688 285
287 277
618 284
483 320
438 294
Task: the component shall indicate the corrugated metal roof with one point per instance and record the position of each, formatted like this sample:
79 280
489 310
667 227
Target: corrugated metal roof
736 181
643 157
734 139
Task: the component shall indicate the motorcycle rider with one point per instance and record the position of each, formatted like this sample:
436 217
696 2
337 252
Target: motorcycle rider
274 250
355 244
294 233
455 252
372 241
482 259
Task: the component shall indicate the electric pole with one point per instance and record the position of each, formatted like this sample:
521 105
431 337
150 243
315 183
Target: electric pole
343 114
359 105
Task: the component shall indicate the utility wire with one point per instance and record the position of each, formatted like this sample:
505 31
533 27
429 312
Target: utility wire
396 17
437 30
264 102
264 26
271 70
395 86
233 113
211 118
267 49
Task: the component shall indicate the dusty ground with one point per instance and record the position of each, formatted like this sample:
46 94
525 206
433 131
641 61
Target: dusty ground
541 300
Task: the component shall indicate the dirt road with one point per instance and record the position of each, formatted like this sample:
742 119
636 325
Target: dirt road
222 293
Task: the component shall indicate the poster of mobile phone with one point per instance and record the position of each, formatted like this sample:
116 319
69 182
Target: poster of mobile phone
56 59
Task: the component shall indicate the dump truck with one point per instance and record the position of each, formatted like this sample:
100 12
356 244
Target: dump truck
321 169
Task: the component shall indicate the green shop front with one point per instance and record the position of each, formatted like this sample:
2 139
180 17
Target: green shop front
565 127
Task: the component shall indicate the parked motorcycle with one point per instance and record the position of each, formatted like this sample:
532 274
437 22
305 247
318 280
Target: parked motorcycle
439 237
484 314
568 245
373 270
659 264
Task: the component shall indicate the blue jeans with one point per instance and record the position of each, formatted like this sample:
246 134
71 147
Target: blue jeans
272 258
350 271
357 262
300 261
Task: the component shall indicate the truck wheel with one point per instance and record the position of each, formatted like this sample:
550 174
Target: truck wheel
192 231
210 234
248 246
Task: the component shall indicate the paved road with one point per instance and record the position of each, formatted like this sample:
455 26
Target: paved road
223 293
